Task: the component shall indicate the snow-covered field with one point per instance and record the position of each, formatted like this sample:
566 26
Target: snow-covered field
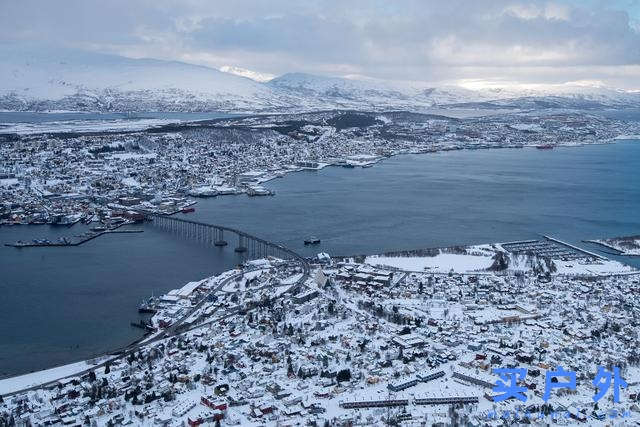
10 385
479 259
628 245
83 126
442 263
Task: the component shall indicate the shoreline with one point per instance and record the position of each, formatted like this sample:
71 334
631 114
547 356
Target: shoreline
396 154
372 161
101 359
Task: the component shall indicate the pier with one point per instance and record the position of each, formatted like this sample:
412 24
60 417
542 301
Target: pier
70 242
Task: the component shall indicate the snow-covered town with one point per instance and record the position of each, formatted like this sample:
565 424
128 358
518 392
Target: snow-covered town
319 213
66 177
411 337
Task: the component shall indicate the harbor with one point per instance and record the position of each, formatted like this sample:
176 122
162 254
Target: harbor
72 241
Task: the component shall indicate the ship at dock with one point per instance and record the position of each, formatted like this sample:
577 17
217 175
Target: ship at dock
258 190
148 306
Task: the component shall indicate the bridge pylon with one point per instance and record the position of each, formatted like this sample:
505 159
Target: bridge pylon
219 237
242 244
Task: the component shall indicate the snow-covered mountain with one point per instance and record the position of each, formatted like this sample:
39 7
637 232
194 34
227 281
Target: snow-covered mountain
59 79
74 80
371 91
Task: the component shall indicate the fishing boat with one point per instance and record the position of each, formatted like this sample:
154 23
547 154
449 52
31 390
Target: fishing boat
312 240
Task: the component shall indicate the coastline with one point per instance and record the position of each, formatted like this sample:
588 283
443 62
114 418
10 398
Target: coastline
460 256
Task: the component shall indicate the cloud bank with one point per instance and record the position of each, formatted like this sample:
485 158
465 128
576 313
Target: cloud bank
478 43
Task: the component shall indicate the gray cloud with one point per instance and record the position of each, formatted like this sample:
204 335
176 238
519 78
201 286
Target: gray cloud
500 40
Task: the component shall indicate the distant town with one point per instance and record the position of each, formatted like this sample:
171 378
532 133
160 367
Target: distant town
110 177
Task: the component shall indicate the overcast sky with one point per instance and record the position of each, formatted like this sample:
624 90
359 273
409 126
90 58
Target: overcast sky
473 42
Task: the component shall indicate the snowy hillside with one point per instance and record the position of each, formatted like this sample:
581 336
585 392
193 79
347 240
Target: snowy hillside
73 80
373 92
45 79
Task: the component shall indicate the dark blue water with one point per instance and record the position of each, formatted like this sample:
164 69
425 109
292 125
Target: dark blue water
442 199
64 304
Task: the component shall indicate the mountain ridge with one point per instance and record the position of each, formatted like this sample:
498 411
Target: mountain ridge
64 79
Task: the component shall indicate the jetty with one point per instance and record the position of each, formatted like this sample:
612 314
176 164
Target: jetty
64 241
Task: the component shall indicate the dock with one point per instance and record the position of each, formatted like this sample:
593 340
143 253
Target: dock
65 242
575 248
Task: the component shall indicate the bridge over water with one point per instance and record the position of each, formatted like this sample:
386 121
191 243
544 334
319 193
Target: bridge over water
217 235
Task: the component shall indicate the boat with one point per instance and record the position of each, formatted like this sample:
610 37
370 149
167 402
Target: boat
259 191
188 210
148 306
204 191
312 241
545 147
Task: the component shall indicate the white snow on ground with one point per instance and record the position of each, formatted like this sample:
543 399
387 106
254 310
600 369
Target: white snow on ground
241 284
477 263
85 126
36 378
593 268
625 245
125 156
8 181
442 263
131 182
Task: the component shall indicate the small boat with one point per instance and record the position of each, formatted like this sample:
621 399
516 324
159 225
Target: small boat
545 147
312 241
188 210
259 191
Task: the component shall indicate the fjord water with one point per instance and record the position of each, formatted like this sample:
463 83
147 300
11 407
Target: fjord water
63 304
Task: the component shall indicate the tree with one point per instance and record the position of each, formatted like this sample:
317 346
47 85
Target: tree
344 375
92 376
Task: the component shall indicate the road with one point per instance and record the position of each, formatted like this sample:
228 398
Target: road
173 330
